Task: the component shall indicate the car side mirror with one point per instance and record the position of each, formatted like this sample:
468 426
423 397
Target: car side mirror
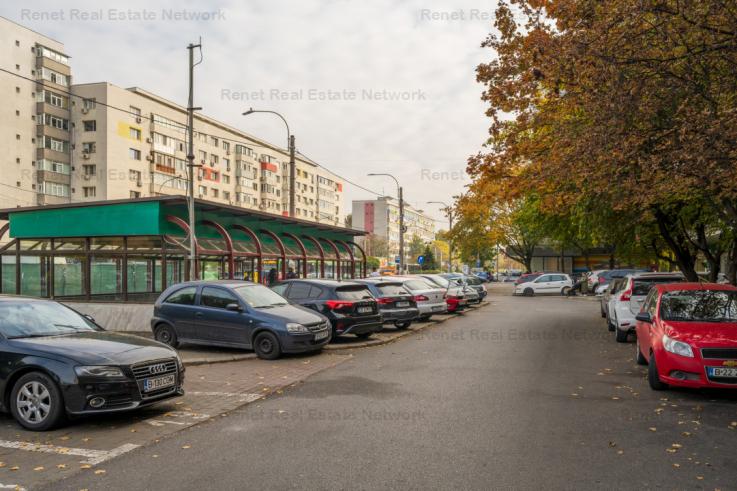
644 317
234 307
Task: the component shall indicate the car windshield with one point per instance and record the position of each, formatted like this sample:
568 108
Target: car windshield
24 319
353 293
642 285
419 285
260 297
391 289
439 280
699 306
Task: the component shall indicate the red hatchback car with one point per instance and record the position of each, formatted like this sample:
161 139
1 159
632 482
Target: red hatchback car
687 333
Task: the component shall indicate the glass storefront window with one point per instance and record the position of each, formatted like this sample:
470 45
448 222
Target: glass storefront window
8 274
33 276
144 244
69 244
106 244
106 275
68 276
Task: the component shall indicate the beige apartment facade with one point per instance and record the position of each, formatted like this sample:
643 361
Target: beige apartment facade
35 120
131 143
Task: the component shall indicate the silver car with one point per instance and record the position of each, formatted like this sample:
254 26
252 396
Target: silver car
429 297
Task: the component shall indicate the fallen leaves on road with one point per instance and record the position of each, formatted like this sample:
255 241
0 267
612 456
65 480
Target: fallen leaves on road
61 466
39 468
85 466
186 446
14 468
100 472
652 428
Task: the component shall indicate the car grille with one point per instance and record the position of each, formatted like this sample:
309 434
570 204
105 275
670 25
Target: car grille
156 368
317 326
112 402
723 380
719 353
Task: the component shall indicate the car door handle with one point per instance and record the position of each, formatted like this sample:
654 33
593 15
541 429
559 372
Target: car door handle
198 314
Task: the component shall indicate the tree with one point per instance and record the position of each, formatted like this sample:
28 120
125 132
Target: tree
376 245
428 262
414 248
348 222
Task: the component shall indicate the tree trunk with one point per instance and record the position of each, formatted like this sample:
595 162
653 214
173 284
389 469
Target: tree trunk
679 245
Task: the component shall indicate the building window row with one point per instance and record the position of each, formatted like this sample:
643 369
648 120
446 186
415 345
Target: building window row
52 55
55 121
54 189
53 166
53 98
54 77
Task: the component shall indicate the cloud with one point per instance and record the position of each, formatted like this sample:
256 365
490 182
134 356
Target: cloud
430 119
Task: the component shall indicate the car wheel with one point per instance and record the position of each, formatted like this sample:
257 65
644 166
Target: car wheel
36 402
641 360
166 334
610 325
529 292
424 318
402 325
266 346
621 335
603 314
653 377
565 290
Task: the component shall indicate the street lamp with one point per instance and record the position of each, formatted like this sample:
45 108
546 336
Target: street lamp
290 145
449 211
401 219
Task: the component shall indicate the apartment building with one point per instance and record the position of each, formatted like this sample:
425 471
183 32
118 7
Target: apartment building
35 120
131 143
381 217
89 142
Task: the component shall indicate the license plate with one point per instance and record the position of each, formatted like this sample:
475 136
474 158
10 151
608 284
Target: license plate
365 310
722 371
151 384
437 307
322 335
402 304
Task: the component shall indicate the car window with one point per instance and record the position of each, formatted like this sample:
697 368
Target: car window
299 290
217 297
183 296
36 318
280 289
543 279
643 285
650 303
419 285
315 292
391 289
353 292
699 306
259 296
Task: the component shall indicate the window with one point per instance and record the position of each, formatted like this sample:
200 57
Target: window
53 98
53 166
184 296
90 125
53 55
214 141
54 77
89 191
88 104
203 155
54 144
136 112
56 122
54 189
134 175
134 154
299 290
544 279
135 194
217 298
89 170
89 147
135 133
226 195
215 193
280 289
226 146
202 190
227 164
226 179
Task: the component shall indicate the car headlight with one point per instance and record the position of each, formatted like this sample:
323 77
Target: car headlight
180 363
98 371
677 347
295 328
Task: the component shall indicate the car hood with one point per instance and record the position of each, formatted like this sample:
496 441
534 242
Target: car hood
290 313
703 333
96 348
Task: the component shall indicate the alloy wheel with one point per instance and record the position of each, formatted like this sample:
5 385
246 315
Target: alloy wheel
33 402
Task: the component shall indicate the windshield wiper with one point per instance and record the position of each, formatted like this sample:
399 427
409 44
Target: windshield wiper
34 335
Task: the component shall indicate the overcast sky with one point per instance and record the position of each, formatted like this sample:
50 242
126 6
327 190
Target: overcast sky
291 55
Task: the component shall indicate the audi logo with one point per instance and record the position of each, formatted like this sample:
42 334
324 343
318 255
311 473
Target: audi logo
154 369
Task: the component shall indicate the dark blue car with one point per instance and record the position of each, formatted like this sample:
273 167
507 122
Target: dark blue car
237 314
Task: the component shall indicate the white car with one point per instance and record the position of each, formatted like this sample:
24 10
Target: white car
549 283
429 297
626 302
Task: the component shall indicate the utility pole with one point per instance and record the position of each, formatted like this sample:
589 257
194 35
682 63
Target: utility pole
190 162
401 231
292 172
450 241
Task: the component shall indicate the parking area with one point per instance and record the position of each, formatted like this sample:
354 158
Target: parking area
217 381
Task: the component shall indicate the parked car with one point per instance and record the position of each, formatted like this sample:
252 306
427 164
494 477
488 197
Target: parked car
59 363
237 314
471 282
687 333
606 299
396 304
430 297
606 277
627 301
350 307
593 278
549 283
484 276
456 296
527 277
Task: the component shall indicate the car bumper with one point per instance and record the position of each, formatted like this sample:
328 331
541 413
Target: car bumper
625 320
392 315
303 343
432 308
119 396
681 371
361 325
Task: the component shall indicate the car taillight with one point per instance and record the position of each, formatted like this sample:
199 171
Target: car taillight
339 304
625 296
420 298
385 300
601 279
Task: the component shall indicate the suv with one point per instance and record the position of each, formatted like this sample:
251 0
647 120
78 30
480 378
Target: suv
350 306
629 297
396 304
237 314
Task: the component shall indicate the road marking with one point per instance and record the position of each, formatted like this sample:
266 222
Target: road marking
245 397
17 487
158 422
94 457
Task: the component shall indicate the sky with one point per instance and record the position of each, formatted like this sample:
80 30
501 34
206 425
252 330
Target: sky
366 86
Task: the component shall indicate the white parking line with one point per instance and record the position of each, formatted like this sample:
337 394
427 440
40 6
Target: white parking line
16 487
94 457
244 397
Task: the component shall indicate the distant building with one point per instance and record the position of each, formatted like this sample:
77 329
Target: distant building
381 217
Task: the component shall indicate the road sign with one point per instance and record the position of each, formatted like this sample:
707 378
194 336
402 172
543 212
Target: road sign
397 260
420 259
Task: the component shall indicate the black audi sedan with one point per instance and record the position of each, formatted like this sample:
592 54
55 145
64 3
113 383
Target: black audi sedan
237 314
57 363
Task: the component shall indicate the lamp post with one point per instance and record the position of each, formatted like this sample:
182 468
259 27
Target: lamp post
290 145
449 211
190 161
401 219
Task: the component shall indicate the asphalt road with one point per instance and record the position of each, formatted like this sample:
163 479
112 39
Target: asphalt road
522 393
